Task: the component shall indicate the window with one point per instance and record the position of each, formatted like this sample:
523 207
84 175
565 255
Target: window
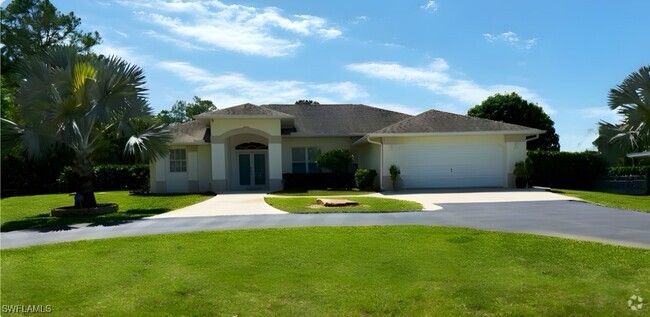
303 160
177 161
251 146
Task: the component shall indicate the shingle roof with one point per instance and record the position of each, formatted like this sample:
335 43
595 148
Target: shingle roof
337 119
434 121
344 120
246 109
190 132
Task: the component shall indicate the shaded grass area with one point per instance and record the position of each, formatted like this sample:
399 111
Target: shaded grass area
317 192
633 202
350 271
366 204
26 212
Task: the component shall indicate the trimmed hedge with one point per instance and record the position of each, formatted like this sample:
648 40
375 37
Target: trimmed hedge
317 181
570 170
109 177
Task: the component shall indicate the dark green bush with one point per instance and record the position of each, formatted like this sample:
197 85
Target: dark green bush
109 177
627 170
364 178
570 170
338 161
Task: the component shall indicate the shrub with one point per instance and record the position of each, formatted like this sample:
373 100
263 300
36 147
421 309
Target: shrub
627 170
337 161
109 177
394 175
567 169
364 178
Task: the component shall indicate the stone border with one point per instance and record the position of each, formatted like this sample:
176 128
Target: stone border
71 211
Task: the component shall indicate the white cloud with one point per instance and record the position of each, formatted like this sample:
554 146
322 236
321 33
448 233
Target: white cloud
430 5
126 53
359 19
213 24
175 41
233 88
579 141
347 90
602 113
511 38
437 78
122 34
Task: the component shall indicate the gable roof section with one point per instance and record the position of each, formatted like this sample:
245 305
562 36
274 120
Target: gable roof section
247 110
434 121
191 132
337 119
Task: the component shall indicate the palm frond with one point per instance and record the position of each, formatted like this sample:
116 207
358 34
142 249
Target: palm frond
149 144
10 134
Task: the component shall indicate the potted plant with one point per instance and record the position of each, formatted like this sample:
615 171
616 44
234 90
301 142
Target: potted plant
522 172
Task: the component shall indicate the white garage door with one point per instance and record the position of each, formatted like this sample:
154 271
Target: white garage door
449 165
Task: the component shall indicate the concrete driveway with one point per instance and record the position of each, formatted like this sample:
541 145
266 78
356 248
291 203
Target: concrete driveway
230 204
431 199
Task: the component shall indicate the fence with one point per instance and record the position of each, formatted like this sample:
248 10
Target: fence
629 185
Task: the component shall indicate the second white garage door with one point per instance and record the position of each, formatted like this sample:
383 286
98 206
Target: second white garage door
448 165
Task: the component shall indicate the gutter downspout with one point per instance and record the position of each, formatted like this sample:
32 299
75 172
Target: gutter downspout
381 161
534 138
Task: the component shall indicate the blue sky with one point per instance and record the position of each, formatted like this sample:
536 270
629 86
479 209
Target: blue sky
408 56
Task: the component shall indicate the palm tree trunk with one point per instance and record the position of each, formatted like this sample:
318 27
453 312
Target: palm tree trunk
86 189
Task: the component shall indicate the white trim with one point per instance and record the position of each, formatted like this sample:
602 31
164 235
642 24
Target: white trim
381 161
520 132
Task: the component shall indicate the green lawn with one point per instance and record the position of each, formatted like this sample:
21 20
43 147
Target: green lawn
25 212
345 271
367 204
634 202
315 192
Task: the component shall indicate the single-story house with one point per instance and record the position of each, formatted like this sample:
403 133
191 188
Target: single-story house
251 147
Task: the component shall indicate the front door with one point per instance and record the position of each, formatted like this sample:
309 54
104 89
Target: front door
252 170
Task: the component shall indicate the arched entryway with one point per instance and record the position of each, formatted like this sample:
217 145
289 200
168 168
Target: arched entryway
251 165
246 158
248 161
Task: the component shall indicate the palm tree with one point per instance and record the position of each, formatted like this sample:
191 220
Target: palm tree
631 100
71 100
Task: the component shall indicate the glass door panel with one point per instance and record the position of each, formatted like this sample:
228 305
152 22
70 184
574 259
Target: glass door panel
244 169
260 168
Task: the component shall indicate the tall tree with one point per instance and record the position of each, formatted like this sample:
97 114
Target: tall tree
71 101
30 27
512 108
183 111
631 99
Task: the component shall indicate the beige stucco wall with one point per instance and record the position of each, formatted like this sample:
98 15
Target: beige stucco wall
368 156
196 178
515 152
324 143
177 182
204 167
222 126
